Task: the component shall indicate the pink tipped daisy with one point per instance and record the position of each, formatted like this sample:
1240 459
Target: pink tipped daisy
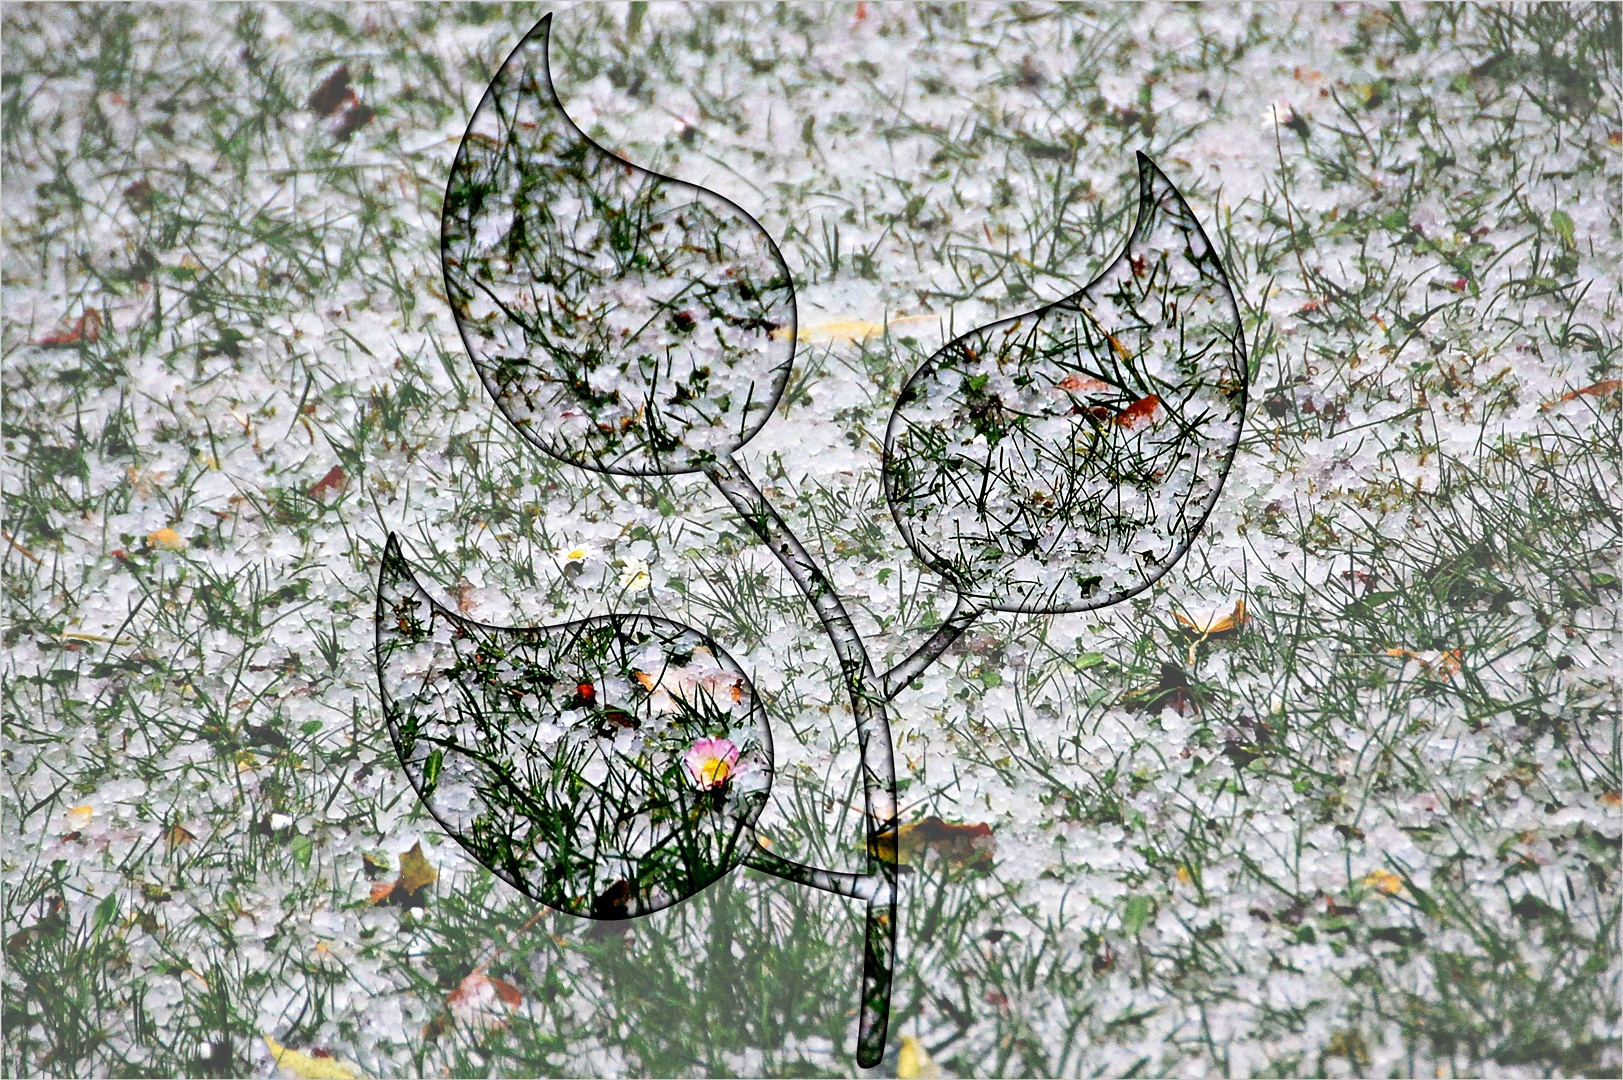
710 762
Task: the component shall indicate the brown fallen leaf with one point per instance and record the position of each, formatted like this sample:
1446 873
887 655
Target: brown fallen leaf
180 835
85 331
416 875
354 118
480 1003
1171 688
959 844
140 194
613 902
51 923
475 1001
334 90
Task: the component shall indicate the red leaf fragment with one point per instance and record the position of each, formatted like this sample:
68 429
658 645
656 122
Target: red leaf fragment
333 481
85 331
1600 389
1142 411
1075 381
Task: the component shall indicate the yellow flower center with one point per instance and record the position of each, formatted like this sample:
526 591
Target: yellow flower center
714 771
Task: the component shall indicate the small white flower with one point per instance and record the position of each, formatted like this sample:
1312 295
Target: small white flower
1278 114
575 556
634 577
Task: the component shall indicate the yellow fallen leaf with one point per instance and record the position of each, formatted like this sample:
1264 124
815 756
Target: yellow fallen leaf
850 330
79 816
416 875
912 1063
415 872
1184 876
310 1066
166 538
1384 880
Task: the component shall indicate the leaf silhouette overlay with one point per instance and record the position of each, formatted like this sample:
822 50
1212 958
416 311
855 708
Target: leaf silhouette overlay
622 320
416 875
564 757
1064 459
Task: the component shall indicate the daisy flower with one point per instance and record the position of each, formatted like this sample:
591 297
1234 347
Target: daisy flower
575 556
634 577
710 762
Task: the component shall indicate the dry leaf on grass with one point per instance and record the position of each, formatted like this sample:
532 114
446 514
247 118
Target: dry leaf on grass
480 1003
1214 624
166 538
850 330
1086 383
416 875
333 92
958 844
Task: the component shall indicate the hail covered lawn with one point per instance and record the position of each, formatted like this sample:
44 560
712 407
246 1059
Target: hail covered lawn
1366 823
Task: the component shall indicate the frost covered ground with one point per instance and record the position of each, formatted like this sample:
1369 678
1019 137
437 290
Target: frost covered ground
1370 828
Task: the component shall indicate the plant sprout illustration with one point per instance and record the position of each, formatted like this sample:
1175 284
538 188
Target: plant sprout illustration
623 322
